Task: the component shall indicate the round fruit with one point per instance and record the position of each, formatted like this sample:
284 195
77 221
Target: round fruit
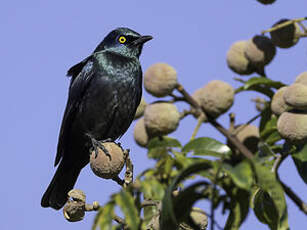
236 59
296 96
141 108
216 97
199 217
249 136
107 166
260 51
302 78
74 211
292 126
140 134
160 79
161 119
197 96
77 195
286 36
278 105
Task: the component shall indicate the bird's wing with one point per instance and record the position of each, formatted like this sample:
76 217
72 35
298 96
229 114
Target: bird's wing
77 89
74 71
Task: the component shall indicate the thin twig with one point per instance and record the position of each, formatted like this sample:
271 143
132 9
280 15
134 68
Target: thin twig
284 24
147 203
200 120
239 80
95 207
218 126
295 198
239 129
129 171
276 164
185 113
119 220
176 98
128 174
232 122
214 221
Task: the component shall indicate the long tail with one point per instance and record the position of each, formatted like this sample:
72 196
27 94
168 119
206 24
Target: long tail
62 182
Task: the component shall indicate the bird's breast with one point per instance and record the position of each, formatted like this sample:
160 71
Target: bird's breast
111 101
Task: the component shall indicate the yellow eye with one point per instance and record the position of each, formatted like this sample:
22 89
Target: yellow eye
122 39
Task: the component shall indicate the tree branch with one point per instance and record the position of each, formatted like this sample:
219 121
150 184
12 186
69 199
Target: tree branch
200 120
213 122
295 198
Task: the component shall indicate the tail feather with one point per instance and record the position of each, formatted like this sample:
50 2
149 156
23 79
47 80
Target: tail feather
62 182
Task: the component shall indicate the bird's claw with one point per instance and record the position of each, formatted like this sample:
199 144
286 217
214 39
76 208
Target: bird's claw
98 144
117 143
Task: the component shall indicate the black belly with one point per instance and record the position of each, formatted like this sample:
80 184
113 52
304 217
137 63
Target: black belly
109 108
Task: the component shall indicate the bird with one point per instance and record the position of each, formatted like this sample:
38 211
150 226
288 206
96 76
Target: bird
104 92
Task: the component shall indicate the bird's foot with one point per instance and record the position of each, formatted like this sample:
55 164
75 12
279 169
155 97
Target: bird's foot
98 144
111 140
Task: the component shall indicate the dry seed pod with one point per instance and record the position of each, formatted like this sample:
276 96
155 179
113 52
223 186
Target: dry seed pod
292 126
141 108
287 36
104 166
197 96
260 103
296 96
260 51
161 119
266 2
199 217
140 134
302 78
77 195
278 105
217 97
160 79
249 136
236 59
74 211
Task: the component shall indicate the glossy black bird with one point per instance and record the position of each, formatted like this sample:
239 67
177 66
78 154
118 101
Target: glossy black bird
104 93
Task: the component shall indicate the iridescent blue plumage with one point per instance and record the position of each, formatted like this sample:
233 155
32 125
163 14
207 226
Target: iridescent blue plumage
104 93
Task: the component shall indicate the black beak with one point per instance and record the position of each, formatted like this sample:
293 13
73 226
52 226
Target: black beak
141 40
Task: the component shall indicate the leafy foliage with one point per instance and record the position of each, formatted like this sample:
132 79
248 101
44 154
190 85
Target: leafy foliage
207 169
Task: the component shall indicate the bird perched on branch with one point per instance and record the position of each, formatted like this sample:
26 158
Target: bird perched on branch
104 93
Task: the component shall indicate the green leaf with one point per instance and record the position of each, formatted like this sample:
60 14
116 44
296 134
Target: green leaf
300 160
265 209
266 116
104 217
239 208
186 199
241 174
163 142
267 181
158 147
126 202
205 146
257 88
152 189
268 128
265 150
168 217
255 81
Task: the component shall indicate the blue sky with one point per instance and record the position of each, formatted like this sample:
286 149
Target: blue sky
40 40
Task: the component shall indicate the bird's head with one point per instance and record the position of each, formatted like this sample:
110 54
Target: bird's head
123 41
